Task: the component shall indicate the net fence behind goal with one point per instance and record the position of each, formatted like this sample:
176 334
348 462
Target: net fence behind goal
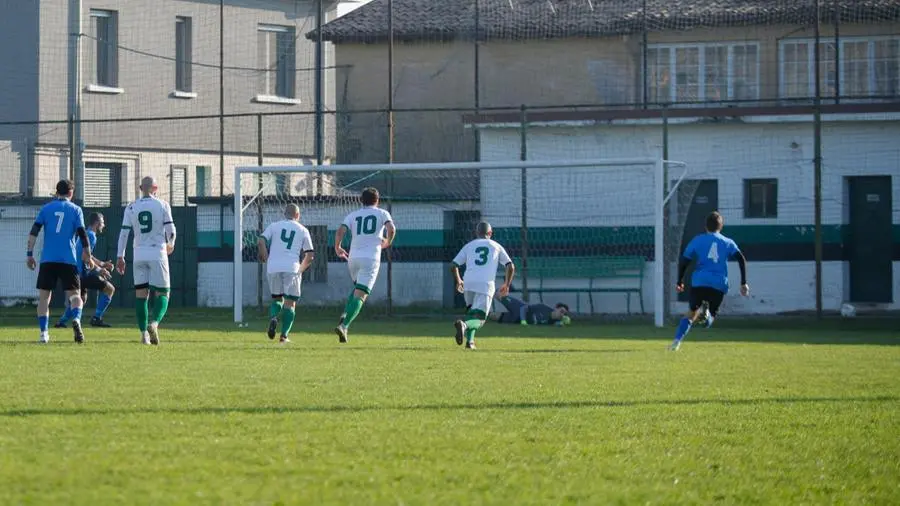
585 233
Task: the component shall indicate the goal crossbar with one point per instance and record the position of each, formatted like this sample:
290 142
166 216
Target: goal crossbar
659 188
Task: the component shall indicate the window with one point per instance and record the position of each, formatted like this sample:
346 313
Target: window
277 61
203 181
177 186
104 28
868 67
703 72
183 54
760 198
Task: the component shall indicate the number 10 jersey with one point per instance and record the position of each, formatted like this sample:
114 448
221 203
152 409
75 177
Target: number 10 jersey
366 228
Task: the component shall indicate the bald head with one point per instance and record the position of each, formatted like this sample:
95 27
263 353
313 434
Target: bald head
484 229
292 212
148 186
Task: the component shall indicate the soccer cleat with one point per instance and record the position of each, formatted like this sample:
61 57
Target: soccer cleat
98 322
460 331
470 345
145 338
153 332
45 338
675 345
273 323
60 325
284 339
341 333
703 312
76 329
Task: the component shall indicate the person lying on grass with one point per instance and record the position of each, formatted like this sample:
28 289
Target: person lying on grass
519 311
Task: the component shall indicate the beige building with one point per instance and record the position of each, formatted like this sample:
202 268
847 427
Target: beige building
555 54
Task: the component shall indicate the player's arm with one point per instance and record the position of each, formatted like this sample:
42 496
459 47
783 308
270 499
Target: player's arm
458 261
391 231
309 254
262 245
32 239
339 239
123 240
510 271
169 229
86 254
683 263
742 264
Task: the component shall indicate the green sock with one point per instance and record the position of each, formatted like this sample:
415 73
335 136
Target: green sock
275 308
288 321
470 335
354 306
160 306
471 326
141 309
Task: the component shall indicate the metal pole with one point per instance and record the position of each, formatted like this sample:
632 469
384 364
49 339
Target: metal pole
390 175
664 173
222 115
319 85
76 172
817 163
477 75
259 207
837 51
644 50
523 156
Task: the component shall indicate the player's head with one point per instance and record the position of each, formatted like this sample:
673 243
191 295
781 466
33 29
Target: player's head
96 222
561 313
714 222
292 212
148 186
65 188
484 230
370 196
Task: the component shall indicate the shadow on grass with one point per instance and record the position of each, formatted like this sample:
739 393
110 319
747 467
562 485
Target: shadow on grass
265 410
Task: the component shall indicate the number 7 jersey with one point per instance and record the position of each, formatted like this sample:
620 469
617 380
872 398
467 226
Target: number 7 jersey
148 218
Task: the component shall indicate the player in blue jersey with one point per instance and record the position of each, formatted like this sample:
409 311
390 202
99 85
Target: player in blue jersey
710 252
62 222
93 279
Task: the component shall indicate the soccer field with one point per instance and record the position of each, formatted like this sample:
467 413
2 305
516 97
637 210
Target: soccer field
588 414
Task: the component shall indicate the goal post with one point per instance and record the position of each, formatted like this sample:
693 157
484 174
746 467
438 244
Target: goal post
584 216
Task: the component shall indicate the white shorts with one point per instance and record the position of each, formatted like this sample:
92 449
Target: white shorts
364 272
152 272
479 301
285 283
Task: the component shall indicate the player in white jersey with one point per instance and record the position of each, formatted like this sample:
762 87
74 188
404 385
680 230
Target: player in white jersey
154 240
280 246
371 230
481 258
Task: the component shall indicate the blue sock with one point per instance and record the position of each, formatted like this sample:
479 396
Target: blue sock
684 326
76 314
66 316
44 322
102 304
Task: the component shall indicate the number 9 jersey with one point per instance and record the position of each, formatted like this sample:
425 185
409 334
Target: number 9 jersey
151 221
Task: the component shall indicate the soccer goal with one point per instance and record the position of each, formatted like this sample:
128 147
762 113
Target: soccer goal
588 233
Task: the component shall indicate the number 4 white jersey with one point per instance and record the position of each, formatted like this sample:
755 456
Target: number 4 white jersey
481 258
288 240
366 231
149 218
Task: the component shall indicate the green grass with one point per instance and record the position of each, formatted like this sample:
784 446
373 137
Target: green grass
590 414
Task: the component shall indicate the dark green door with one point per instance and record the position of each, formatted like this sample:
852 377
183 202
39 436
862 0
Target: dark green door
870 242
461 230
705 201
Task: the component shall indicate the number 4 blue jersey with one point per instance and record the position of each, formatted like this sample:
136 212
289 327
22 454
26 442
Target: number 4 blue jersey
711 252
59 220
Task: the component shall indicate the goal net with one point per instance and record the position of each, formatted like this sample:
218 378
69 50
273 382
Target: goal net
586 233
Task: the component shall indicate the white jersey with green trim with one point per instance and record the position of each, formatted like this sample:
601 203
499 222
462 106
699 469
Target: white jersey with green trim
481 258
366 227
288 241
148 218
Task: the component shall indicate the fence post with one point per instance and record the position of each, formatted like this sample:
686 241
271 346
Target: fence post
523 156
259 207
817 160
667 275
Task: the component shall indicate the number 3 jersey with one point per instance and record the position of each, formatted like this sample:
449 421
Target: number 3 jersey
711 252
481 258
288 240
151 221
366 227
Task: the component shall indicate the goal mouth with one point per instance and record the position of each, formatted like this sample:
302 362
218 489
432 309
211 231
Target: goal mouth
585 233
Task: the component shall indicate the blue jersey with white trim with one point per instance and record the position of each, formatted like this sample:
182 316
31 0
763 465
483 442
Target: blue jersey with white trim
59 220
711 252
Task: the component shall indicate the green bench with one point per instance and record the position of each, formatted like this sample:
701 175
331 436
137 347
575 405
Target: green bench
601 274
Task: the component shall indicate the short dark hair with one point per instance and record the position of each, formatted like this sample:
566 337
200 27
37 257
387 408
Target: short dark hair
483 229
369 196
94 218
714 222
64 186
560 305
